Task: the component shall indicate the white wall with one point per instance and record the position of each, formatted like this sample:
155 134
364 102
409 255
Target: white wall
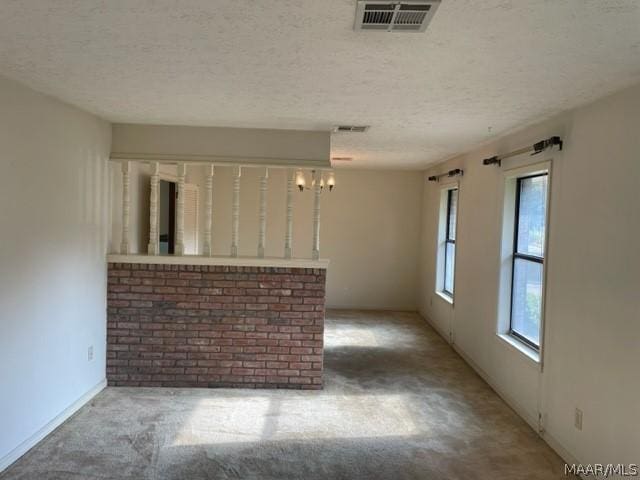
248 145
592 335
370 229
53 205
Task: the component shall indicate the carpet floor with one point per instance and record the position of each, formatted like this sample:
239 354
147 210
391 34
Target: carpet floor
398 403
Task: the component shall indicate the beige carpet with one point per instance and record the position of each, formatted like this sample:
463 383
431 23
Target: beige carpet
398 404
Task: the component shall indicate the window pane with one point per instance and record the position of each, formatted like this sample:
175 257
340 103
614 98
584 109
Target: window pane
531 215
527 299
452 211
449 265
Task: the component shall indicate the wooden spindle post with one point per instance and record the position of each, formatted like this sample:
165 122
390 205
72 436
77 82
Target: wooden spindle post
124 241
153 248
288 235
317 190
235 212
208 221
182 173
262 213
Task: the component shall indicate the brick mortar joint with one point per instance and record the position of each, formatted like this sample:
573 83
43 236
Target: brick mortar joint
201 326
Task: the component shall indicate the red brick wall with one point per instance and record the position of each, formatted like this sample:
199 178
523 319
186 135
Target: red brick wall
214 326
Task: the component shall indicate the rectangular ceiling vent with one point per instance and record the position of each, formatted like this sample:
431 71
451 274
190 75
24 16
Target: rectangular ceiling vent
350 128
405 16
341 159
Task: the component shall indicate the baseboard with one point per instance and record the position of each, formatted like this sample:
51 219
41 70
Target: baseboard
555 445
372 309
532 422
30 442
562 452
445 335
508 399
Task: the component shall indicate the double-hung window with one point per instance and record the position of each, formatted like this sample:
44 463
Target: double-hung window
528 258
450 241
446 255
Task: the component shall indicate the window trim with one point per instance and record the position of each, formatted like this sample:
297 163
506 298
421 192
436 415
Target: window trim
506 262
449 241
441 240
523 256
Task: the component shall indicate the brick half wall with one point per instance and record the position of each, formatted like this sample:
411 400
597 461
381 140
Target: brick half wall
215 326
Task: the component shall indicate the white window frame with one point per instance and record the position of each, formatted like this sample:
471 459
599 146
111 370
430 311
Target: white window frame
441 241
508 219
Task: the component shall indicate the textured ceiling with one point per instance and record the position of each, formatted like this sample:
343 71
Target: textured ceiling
299 64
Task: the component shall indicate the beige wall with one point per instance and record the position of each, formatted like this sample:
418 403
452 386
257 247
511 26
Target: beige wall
370 228
592 334
247 145
54 203
54 210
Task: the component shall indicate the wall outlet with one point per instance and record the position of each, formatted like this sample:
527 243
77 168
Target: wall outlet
577 419
90 353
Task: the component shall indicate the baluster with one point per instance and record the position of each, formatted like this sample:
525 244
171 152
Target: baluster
263 213
235 212
288 236
182 173
317 189
124 241
154 246
208 222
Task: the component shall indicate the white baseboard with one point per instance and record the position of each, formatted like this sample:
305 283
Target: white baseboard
555 445
564 454
445 335
519 409
30 442
369 308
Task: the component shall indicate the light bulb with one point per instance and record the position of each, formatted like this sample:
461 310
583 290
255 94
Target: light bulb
331 181
300 181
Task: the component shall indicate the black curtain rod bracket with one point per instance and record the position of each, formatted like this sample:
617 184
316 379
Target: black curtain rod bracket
535 149
492 161
456 172
548 143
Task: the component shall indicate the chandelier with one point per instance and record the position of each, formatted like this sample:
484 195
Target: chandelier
301 181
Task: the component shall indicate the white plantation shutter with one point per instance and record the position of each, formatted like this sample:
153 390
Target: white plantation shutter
191 219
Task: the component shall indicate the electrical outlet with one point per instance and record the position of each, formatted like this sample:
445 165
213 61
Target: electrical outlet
90 353
577 419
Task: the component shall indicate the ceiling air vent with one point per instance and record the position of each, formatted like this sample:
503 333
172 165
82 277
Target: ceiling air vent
405 16
351 128
341 159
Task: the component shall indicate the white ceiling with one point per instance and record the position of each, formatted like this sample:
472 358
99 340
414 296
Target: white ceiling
299 64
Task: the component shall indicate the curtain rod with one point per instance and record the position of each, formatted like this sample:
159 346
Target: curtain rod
535 148
456 172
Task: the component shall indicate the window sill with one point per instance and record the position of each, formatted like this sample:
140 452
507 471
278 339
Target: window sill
527 351
446 297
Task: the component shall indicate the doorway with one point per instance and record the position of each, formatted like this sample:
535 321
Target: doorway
167 220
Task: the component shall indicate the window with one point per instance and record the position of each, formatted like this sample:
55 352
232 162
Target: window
527 262
450 241
446 254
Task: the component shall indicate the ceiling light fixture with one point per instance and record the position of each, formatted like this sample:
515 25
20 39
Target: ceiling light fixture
301 181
